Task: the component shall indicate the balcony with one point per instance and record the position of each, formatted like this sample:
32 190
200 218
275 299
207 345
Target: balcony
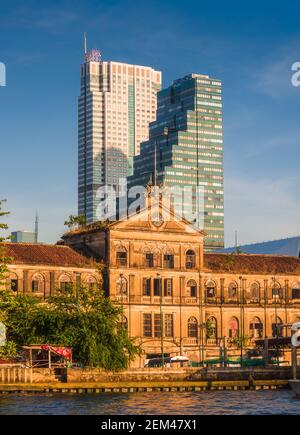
212 342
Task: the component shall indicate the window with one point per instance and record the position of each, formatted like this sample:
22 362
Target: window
146 286
38 284
277 292
149 260
192 327
192 288
122 257
190 261
168 287
65 283
14 285
147 325
123 325
157 286
233 328
276 327
92 283
157 325
232 290
256 328
169 325
210 289
296 291
169 261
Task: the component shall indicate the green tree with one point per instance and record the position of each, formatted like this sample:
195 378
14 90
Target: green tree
75 221
83 319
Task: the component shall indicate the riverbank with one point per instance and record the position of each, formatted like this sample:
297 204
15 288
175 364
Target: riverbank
135 387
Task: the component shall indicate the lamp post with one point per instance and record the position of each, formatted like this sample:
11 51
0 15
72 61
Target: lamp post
276 296
161 320
241 318
122 292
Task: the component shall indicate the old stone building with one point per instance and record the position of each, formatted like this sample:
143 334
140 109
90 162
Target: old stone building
39 269
178 300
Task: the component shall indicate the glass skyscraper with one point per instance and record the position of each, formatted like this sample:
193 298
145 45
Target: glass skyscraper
186 144
116 104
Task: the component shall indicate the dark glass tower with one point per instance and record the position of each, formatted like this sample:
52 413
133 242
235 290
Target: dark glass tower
186 143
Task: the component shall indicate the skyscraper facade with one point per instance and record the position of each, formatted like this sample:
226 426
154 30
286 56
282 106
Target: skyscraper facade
116 105
185 149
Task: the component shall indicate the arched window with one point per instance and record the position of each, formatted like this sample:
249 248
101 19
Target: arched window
192 327
233 290
210 289
38 283
123 324
296 290
92 283
192 289
13 282
121 257
256 328
233 327
122 287
65 282
277 292
254 291
169 260
148 258
190 260
277 330
211 328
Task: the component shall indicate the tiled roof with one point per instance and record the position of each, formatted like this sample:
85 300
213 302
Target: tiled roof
48 255
252 263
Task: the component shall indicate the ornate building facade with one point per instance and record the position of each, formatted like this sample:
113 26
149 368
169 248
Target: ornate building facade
179 300
39 269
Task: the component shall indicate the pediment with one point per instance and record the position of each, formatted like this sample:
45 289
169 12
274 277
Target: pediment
157 218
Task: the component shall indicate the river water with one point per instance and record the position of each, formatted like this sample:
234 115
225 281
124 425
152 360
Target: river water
213 402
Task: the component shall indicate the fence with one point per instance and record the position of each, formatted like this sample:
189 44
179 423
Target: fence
15 375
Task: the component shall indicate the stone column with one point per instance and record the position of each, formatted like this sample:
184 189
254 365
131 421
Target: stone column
25 281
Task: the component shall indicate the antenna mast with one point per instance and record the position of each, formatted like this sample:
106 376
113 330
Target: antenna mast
36 230
85 46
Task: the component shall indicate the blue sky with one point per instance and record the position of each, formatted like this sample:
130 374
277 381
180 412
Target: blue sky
250 48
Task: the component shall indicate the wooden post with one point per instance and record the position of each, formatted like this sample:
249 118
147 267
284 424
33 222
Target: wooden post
294 362
49 357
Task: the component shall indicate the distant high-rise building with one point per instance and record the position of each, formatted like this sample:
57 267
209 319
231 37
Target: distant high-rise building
186 144
23 237
116 105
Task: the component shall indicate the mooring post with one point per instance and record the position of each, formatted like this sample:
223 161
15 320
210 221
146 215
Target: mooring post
294 362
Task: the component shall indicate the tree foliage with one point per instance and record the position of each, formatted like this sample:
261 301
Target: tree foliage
75 222
85 320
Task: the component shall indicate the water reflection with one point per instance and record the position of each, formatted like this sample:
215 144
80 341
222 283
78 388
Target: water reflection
214 402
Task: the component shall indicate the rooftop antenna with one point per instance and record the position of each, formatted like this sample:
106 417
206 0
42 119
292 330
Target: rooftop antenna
85 46
36 230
